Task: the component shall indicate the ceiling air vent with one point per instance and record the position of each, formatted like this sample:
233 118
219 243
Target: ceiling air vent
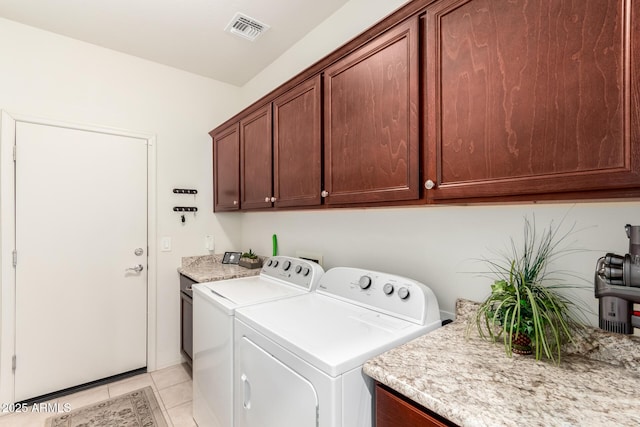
246 27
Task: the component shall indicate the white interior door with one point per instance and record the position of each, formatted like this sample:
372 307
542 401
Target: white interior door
81 213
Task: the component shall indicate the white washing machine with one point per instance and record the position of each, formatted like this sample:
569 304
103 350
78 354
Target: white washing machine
214 305
299 360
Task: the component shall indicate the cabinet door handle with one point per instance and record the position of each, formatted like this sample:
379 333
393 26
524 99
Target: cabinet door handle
429 184
273 199
267 199
324 193
235 203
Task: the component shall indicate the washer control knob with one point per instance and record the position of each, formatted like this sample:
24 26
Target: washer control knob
388 288
298 269
364 282
306 271
275 263
403 293
287 265
269 263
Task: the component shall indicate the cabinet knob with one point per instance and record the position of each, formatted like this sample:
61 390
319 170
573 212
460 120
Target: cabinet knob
267 199
324 193
429 184
273 199
235 203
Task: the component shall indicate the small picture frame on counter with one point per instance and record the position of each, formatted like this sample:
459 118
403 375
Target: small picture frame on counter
231 257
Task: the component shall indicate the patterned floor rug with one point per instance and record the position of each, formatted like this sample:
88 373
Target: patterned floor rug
135 409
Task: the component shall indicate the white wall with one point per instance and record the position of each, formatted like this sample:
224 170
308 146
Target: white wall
441 245
436 245
45 75
345 24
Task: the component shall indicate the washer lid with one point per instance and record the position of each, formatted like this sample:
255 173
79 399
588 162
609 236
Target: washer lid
332 335
247 291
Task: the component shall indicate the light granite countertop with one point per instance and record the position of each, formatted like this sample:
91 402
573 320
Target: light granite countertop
209 268
472 382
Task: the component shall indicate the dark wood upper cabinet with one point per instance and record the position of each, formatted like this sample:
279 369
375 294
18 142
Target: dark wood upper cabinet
371 137
476 100
256 159
531 97
297 146
226 165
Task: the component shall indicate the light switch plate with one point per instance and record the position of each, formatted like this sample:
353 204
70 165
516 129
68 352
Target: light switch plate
208 243
165 244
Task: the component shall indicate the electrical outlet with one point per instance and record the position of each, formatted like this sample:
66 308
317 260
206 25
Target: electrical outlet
311 256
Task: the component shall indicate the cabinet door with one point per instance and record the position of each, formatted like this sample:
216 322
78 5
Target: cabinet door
531 97
186 327
255 159
297 146
371 132
226 173
394 411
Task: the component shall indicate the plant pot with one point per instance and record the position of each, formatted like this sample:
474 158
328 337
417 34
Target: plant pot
250 263
521 344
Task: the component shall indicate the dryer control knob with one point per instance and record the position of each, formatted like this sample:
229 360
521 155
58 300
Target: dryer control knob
269 263
287 265
306 271
364 282
388 288
298 269
275 263
403 293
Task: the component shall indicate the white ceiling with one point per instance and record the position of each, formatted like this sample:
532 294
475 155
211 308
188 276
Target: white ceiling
185 34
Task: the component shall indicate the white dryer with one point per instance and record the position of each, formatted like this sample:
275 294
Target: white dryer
214 305
299 360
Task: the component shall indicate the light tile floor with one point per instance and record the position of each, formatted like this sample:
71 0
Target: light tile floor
172 387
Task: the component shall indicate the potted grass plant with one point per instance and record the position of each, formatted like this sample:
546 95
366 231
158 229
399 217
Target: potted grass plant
526 308
250 260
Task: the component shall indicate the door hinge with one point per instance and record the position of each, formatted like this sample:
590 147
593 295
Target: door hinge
13 363
15 257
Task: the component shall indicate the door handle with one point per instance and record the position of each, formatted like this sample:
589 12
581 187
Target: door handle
137 268
246 392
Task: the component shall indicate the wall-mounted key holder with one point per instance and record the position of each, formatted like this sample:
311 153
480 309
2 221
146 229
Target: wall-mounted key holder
184 209
184 191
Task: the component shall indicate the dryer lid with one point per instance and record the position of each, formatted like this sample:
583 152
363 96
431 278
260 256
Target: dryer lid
251 290
332 335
